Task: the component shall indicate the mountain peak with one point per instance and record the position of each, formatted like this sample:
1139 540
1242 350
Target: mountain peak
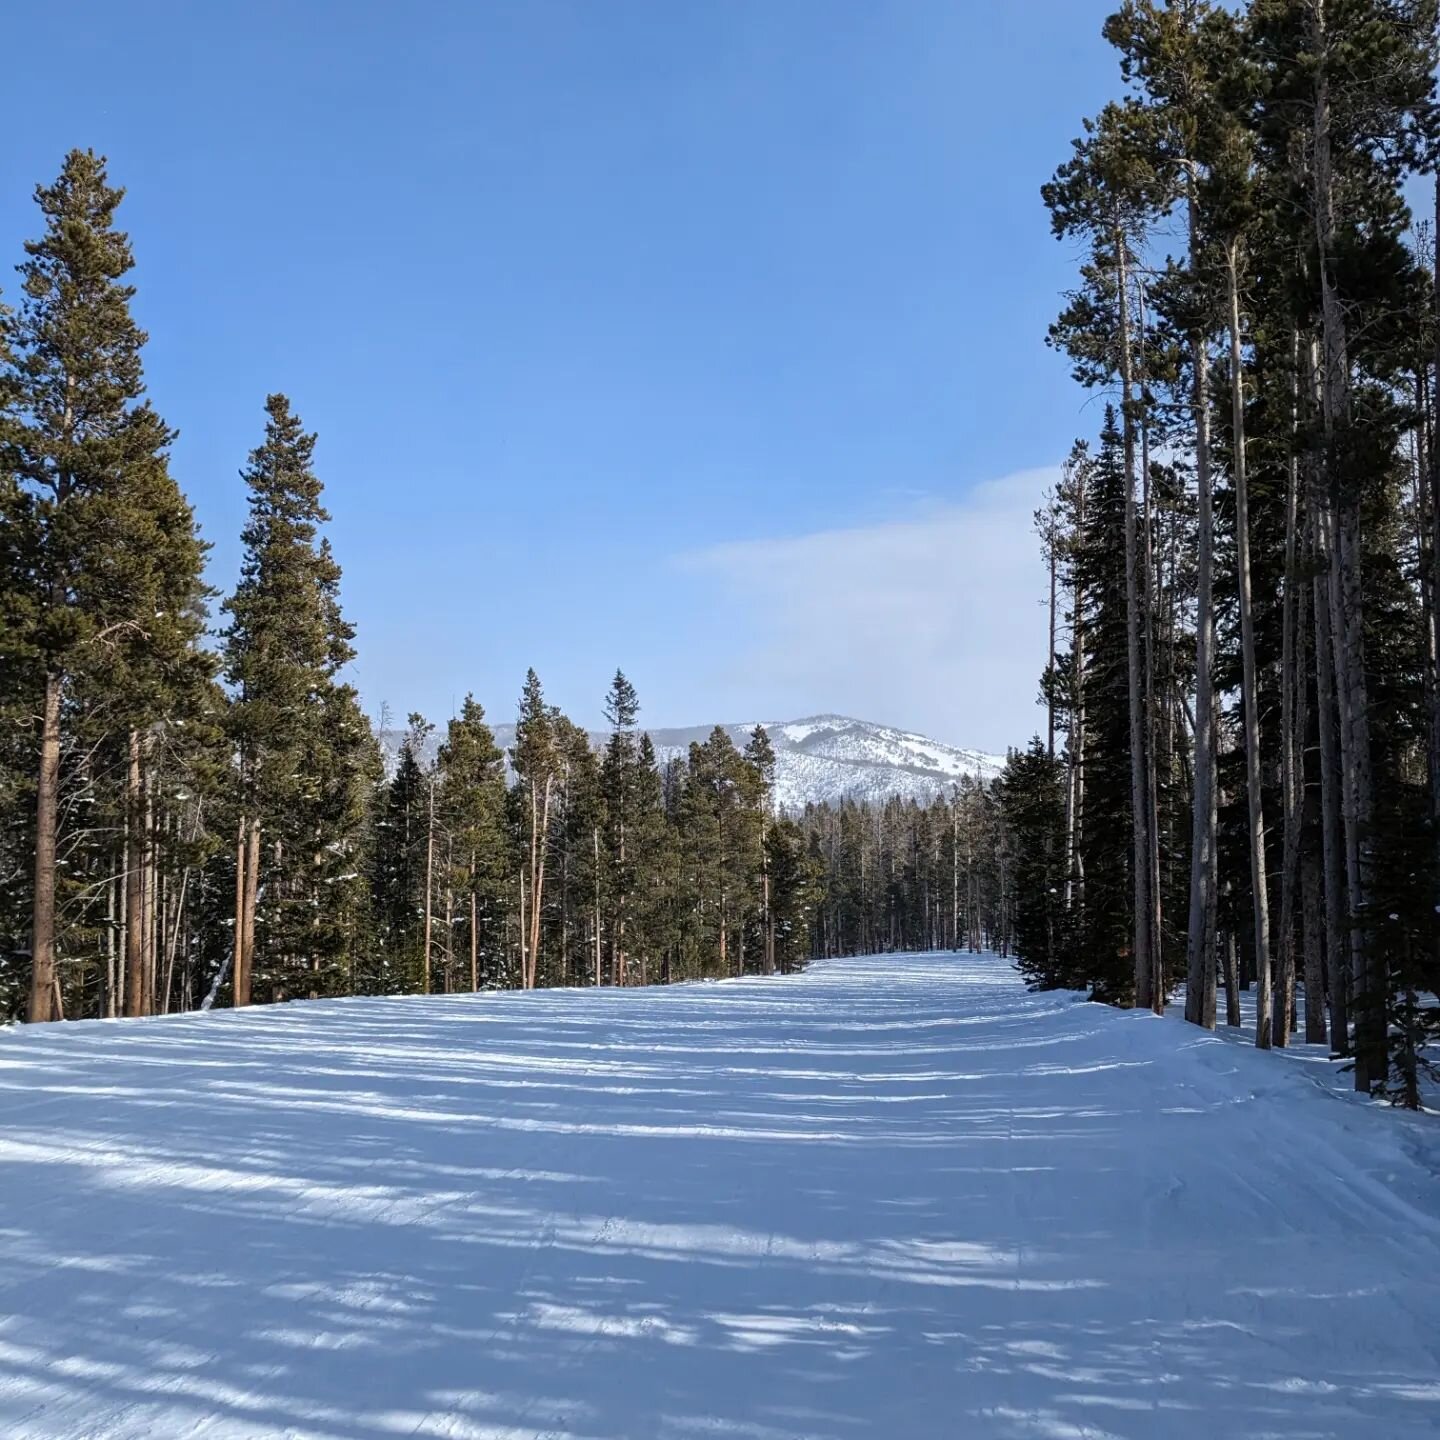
827 758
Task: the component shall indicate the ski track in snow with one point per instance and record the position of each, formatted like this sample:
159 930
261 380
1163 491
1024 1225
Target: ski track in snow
894 1197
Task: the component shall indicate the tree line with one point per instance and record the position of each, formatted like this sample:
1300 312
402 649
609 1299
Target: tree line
1245 559
195 810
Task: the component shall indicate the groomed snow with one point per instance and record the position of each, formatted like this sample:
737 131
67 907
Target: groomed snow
891 1198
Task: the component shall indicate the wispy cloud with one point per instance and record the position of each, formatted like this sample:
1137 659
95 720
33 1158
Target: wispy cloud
933 620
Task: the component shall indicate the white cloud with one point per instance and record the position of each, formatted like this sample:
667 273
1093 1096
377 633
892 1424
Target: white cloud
933 621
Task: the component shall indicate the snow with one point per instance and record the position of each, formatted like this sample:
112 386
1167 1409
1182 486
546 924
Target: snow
822 759
894 1197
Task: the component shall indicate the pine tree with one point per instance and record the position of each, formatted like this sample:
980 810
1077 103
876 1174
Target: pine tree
760 758
652 851
284 648
472 804
89 457
536 758
21 682
397 885
796 894
577 821
619 781
1032 804
1108 193
1279 135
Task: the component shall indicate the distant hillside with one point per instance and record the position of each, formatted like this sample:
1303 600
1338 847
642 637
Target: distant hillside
825 758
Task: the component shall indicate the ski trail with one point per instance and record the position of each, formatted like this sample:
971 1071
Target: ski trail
895 1197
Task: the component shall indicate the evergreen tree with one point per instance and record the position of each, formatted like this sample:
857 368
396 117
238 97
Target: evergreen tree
1032 802
537 760
284 648
577 823
397 885
472 804
106 533
652 856
620 779
760 758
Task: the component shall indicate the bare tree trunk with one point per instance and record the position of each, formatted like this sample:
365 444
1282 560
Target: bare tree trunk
955 871
153 911
1075 821
595 838
1434 538
110 951
538 847
1250 690
1147 598
47 808
1310 893
622 957
768 955
173 943
1200 937
1332 841
134 883
429 883
1144 967
1292 738
241 959
524 937
252 896
449 925
1232 982
1369 977
474 932
1050 662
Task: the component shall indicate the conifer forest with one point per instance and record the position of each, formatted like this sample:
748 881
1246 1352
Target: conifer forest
196 811
1245 555
1239 784
524 1068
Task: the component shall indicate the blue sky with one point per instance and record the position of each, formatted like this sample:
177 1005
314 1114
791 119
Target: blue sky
704 339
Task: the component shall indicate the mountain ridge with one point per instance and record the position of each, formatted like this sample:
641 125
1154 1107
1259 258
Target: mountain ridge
819 759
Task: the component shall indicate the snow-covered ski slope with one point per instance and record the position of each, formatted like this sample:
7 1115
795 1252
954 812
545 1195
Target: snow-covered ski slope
891 1198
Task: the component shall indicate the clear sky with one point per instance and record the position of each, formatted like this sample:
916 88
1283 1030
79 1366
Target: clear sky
704 339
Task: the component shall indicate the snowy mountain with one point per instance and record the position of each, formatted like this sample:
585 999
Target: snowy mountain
823 759
826 758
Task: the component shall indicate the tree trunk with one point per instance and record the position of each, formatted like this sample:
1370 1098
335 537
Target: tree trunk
111 979
1292 739
1369 977
474 933
768 955
524 936
1232 981
1332 840
1050 662
955 872
237 968
595 837
541 812
1250 690
429 884
1434 539
1144 968
1314 954
134 883
1075 819
252 898
47 808
1200 937
449 931
1147 601
154 911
